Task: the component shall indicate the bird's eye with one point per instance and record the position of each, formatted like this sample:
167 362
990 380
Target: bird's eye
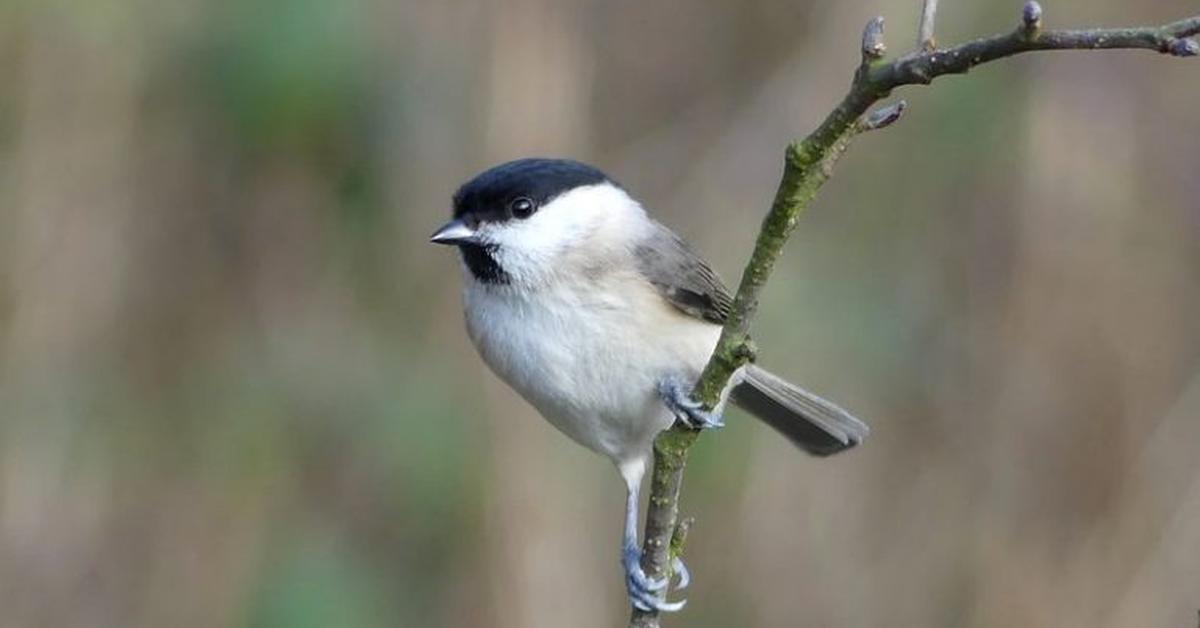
521 207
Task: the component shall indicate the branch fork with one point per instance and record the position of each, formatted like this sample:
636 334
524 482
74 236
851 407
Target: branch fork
808 163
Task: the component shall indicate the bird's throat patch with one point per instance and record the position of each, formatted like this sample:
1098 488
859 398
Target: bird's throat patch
481 260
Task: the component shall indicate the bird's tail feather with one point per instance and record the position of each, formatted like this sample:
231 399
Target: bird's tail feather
812 423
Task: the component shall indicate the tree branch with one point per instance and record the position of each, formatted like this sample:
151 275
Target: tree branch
808 163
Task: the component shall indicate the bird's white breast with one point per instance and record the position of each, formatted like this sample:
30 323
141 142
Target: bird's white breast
589 355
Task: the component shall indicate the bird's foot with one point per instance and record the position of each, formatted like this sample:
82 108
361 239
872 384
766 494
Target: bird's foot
675 394
646 593
681 570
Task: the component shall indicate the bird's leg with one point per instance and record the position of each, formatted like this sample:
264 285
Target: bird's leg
645 593
675 395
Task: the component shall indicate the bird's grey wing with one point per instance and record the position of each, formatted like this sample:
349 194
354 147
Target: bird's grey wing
681 276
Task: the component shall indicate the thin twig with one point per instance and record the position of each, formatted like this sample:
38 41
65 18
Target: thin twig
808 163
925 39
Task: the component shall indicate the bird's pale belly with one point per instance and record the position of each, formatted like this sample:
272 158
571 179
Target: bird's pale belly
591 369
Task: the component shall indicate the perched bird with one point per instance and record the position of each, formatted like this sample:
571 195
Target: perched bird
602 319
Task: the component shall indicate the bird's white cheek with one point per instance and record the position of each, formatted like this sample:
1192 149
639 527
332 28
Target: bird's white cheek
523 259
533 250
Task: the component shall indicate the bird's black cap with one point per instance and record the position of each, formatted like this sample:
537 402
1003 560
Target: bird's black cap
487 197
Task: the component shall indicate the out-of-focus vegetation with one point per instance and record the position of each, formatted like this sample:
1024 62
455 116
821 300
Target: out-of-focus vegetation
234 388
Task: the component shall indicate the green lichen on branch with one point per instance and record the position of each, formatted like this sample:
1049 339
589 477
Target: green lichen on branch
808 164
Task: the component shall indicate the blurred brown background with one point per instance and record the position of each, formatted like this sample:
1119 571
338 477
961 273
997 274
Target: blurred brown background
235 389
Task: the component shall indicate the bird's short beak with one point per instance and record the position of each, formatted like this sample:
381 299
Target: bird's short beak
453 232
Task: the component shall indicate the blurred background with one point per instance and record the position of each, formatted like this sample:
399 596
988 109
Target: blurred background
235 388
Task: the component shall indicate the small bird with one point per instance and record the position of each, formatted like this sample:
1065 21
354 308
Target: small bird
602 319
